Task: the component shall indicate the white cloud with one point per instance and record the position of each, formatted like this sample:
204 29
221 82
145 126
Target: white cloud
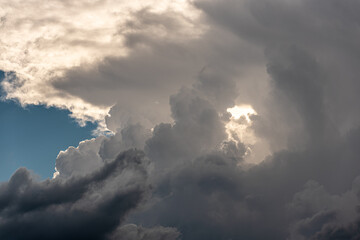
40 41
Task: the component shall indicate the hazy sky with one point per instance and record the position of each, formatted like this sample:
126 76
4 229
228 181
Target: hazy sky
183 119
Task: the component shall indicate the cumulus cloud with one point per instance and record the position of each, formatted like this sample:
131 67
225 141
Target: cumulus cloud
164 77
72 208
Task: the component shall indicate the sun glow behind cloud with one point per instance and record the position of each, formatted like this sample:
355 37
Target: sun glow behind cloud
240 121
239 129
242 111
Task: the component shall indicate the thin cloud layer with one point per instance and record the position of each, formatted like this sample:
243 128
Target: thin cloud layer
293 63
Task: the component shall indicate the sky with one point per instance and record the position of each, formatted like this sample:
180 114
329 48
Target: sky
24 129
179 120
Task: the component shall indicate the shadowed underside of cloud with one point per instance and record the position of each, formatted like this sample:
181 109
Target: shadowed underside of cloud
295 62
71 208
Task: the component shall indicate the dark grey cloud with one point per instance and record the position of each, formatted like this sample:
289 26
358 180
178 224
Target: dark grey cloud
133 232
209 196
132 136
197 130
350 231
204 199
326 29
87 207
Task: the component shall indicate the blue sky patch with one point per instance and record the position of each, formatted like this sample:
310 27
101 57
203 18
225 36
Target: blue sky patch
33 136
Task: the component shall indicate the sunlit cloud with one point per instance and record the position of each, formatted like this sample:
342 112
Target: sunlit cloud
239 129
238 126
40 41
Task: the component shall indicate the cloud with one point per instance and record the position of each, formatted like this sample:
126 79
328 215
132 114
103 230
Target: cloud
197 130
294 62
325 216
53 38
208 195
92 154
133 232
83 159
139 54
325 29
89 206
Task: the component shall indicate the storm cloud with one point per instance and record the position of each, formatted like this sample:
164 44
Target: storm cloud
176 162
72 208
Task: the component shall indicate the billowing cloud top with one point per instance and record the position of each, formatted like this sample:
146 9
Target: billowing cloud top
230 119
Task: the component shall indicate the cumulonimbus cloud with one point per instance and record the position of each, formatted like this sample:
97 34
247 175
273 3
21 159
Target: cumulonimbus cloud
294 62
